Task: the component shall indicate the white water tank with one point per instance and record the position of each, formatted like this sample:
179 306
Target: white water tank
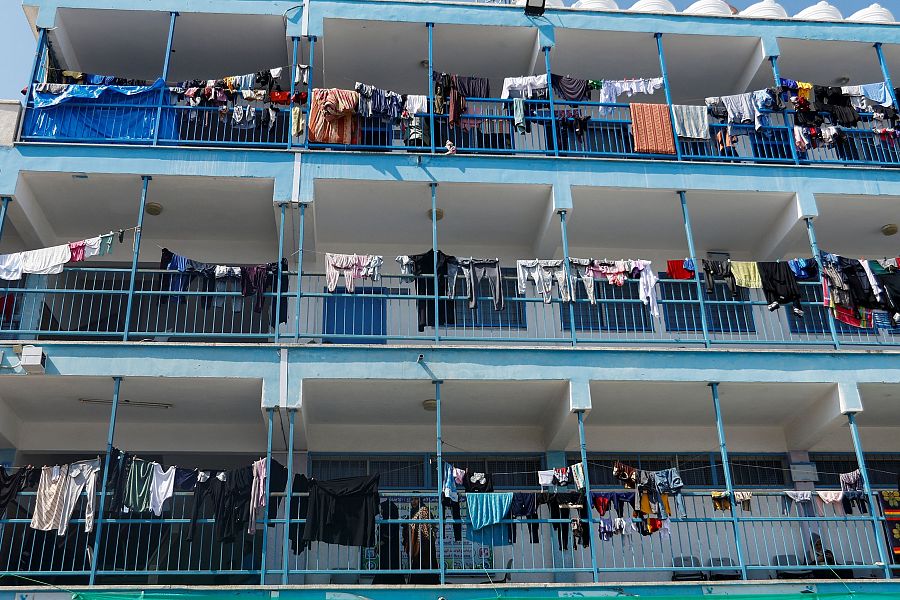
767 9
709 7
596 5
657 6
873 14
821 11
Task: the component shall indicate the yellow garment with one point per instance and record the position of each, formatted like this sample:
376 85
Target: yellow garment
746 274
229 83
804 89
721 501
76 75
297 122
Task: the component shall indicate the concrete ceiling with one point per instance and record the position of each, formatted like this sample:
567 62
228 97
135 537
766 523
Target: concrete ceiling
205 45
881 402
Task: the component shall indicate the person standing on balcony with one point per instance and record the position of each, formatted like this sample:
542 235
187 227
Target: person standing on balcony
418 541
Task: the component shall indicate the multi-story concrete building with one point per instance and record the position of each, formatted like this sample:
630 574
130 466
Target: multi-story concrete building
400 376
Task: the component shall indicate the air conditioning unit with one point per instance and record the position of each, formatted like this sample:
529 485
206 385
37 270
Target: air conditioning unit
33 360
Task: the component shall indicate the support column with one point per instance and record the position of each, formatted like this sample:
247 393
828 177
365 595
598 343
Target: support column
430 27
665 76
434 251
295 42
555 146
587 493
300 235
145 180
286 540
4 204
887 74
101 509
788 120
277 286
440 479
729 488
165 75
693 255
38 59
265 538
814 246
874 505
309 84
569 282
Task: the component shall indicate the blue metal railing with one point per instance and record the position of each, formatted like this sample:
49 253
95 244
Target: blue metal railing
777 540
91 303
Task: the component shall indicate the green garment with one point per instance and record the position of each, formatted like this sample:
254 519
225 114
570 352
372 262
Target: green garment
137 487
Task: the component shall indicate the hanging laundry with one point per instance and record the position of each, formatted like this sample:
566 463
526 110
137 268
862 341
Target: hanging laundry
691 122
543 274
449 488
162 487
780 286
746 274
11 484
76 250
486 511
545 478
46 261
11 266
570 88
626 474
298 124
851 481
855 499
675 270
227 281
833 498
745 499
721 500
229 494
342 511
257 493
352 267
805 269
48 501
526 85
524 505
651 127
474 271
420 267
139 485
331 116
376 102
668 481
561 507
301 74
803 499
611 89
578 475
877 92
721 270
519 115
475 481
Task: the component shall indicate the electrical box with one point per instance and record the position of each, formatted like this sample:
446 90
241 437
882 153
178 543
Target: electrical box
33 360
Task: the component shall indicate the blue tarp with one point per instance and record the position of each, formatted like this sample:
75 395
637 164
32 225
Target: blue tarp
102 112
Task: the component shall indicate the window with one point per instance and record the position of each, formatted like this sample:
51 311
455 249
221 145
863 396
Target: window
511 317
355 315
815 316
618 309
882 468
510 471
681 309
755 471
397 472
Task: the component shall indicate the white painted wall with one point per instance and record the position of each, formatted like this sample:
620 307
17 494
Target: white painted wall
9 121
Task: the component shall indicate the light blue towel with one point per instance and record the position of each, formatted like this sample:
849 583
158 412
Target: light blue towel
877 92
485 513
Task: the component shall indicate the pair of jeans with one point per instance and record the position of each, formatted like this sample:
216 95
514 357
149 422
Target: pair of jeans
474 270
581 269
524 505
668 481
543 273
453 505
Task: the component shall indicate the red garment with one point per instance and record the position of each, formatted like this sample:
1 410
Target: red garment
279 97
77 250
654 524
675 270
601 504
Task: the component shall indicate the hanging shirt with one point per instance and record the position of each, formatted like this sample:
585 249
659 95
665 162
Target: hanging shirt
48 502
746 274
526 85
81 477
46 261
342 511
675 270
162 487
11 266
257 492
138 486
77 251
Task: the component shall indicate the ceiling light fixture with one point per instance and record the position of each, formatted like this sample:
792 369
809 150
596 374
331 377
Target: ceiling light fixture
424 63
153 209
889 229
430 405
162 405
844 80
438 215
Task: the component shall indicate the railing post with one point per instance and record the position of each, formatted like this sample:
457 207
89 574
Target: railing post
165 75
788 124
277 286
886 72
300 266
555 146
286 540
569 281
440 475
817 256
587 492
4 204
101 509
265 538
35 74
309 84
726 468
682 195
434 251
295 42
145 182
665 76
430 27
874 505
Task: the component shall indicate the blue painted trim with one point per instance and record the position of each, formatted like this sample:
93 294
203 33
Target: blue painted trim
309 86
4 205
814 247
886 72
788 115
300 237
440 474
288 497
665 76
430 27
582 444
278 277
101 509
165 75
571 283
689 234
145 182
295 43
434 249
550 94
265 537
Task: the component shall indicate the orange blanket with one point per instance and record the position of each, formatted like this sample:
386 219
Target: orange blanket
332 116
651 126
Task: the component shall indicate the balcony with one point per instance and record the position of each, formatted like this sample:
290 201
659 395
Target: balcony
507 437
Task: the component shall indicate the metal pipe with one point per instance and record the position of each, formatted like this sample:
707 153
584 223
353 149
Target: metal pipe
309 84
814 246
290 138
265 537
569 281
546 50
587 493
300 267
430 27
286 540
165 75
693 255
788 125
726 468
886 72
36 64
867 489
101 509
665 76
145 179
434 251
3 208
440 483
277 305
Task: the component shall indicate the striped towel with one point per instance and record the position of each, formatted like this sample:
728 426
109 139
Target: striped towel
332 116
651 126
